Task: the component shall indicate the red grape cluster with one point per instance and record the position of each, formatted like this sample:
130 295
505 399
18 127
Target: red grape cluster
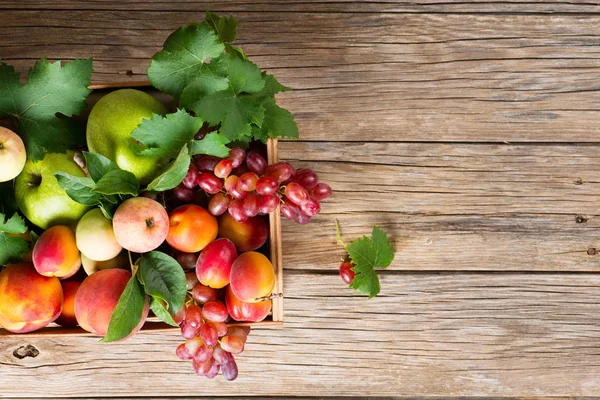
209 343
245 185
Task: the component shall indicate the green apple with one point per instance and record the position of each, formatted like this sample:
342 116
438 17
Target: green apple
40 197
95 237
109 128
12 154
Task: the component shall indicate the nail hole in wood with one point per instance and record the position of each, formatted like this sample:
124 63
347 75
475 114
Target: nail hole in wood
129 72
26 351
579 181
592 251
580 219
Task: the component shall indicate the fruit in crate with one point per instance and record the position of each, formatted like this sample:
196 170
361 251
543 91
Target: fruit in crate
28 300
246 312
67 316
191 228
252 277
12 154
109 128
97 298
39 196
248 235
140 224
213 267
55 253
96 238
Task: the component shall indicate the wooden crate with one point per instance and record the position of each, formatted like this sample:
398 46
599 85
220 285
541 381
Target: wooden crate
153 324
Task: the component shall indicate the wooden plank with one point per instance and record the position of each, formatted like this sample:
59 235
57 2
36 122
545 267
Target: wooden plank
453 206
426 335
388 77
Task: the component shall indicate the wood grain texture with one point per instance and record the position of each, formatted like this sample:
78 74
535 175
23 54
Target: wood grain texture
444 335
385 76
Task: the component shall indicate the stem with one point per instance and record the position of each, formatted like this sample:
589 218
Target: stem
338 235
131 264
270 297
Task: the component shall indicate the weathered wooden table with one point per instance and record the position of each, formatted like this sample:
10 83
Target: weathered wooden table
469 131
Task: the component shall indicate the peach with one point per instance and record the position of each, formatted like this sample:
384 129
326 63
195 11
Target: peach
55 253
67 316
97 298
140 224
191 228
28 300
252 277
248 235
214 263
91 266
246 312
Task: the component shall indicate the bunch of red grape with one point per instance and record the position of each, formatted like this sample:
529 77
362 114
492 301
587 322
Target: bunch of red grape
245 185
209 343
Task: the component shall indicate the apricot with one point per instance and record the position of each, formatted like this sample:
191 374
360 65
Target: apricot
191 228
252 277
213 266
55 253
67 316
243 311
28 300
97 298
248 235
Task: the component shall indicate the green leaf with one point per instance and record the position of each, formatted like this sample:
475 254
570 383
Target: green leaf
186 55
98 165
108 209
128 313
79 189
117 181
278 122
164 279
213 144
50 90
272 86
244 76
367 254
158 308
165 136
12 248
226 29
174 174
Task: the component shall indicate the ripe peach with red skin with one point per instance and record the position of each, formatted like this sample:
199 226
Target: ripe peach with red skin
97 298
140 224
55 253
28 300
191 228
67 316
248 235
246 312
252 277
214 263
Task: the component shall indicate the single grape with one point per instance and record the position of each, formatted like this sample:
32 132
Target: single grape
191 178
221 328
202 368
238 332
209 182
229 370
188 331
306 177
289 210
191 279
232 187
296 193
236 210
213 371
183 193
187 260
302 219
203 353
180 316
237 155
215 311
267 185
218 204
268 203
256 163
248 181
232 344
346 272
250 204
207 163
241 170
209 334
321 191
193 315
193 345
221 356
182 352
223 168
203 294
204 129
311 207
281 171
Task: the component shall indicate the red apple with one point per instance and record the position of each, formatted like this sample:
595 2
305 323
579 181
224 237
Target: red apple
140 224
214 263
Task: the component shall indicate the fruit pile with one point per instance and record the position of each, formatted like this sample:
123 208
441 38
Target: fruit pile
153 211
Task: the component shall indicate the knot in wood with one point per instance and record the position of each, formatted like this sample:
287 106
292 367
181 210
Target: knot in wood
26 351
580 219
592 251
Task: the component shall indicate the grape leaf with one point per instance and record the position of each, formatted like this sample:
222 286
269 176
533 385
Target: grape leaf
98 165
213 144
117 181
12 248
50 90
367 254
158 308
163 279
278 122
165 136
226 30
174 174
80 189
186 56
128 313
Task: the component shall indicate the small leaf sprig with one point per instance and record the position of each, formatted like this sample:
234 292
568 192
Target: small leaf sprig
366 254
